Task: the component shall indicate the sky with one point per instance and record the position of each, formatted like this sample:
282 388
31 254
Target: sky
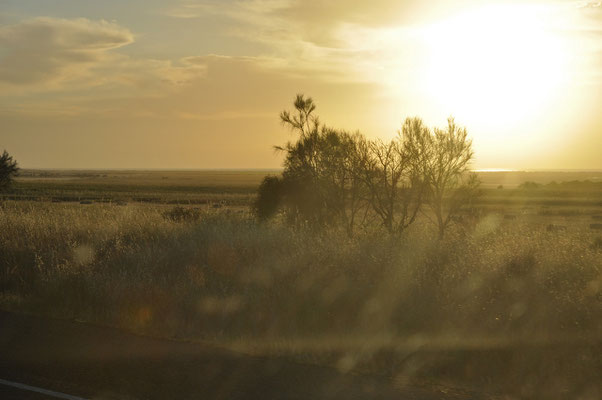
188 84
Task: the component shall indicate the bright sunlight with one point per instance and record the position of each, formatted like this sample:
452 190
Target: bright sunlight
502 62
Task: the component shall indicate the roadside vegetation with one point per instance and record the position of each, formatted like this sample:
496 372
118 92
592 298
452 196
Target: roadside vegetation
214 272
366 255
362 303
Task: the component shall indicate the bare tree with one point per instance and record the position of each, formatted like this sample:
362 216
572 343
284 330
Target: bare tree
394 188
8 169
443 158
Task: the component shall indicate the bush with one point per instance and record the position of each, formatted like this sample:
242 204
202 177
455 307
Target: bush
529 185
269 198
8 169
181 214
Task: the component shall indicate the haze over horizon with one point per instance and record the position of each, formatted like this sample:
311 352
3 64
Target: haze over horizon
199 84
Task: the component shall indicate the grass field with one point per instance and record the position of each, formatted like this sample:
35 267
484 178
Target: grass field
238 187
110 247
166 187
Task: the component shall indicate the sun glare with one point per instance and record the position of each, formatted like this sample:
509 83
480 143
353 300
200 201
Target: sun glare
495 63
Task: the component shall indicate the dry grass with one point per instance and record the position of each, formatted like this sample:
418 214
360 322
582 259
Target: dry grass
104 262
355 303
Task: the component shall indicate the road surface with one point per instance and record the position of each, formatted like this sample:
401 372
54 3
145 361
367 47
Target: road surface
95 362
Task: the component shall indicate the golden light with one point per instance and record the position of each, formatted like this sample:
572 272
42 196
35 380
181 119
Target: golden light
496 63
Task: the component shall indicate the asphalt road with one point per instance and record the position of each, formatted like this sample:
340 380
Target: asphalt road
11 393
103 363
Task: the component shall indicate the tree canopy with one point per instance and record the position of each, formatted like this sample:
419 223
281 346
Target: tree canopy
8 169
333 178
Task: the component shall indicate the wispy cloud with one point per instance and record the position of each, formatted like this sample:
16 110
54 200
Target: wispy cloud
74 55
325 42
44 50
329 40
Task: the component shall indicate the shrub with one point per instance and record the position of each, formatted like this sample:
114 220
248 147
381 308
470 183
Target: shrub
529 185
269 198
8 169
181 214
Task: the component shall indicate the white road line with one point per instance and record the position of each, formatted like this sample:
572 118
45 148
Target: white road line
51 393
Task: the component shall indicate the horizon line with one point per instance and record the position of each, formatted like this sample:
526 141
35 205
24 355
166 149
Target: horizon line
281 168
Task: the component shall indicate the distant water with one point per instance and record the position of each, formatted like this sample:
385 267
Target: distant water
542 170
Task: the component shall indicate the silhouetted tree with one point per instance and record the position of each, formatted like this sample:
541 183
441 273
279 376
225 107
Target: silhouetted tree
303 121
334 178
443 158
319 184
8 169
302 194
394 186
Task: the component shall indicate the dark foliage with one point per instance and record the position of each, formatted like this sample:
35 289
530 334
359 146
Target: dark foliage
8 169
529 185
269 198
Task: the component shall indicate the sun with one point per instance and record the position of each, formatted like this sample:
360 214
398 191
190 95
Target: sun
496 63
